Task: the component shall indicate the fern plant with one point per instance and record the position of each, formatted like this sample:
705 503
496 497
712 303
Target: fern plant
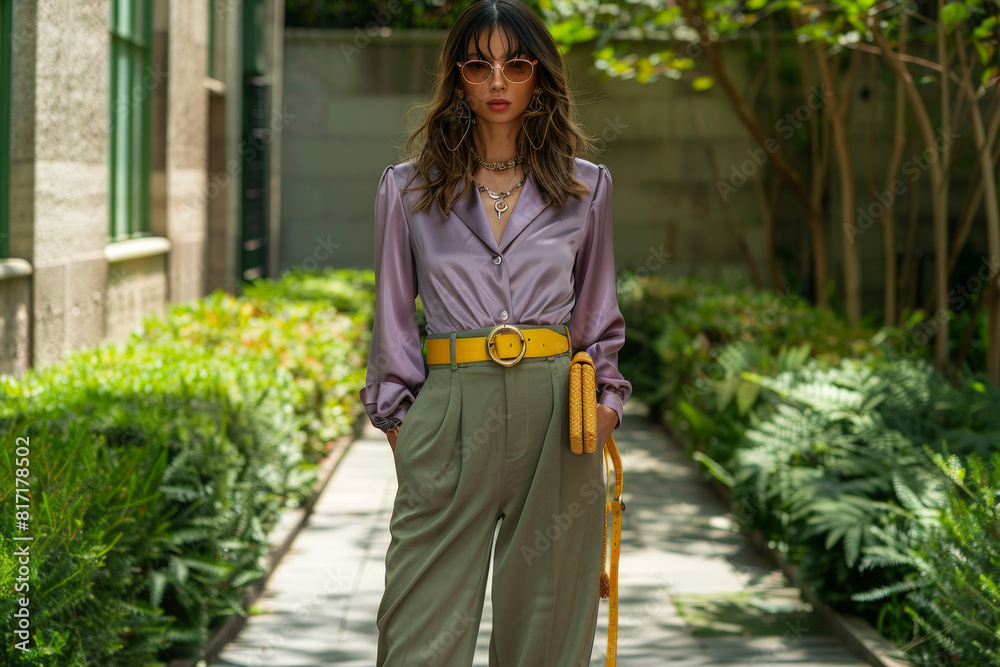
952 593
825 447
88 518
828 464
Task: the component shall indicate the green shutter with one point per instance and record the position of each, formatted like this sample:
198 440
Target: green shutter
254 31
211 39
6 30
130 116
255 174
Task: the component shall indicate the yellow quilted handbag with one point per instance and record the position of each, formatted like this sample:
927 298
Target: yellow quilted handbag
583 440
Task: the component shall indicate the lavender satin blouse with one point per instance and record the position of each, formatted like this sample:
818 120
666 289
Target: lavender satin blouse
552 266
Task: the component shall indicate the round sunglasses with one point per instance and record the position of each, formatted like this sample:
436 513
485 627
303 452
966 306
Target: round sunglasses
516 70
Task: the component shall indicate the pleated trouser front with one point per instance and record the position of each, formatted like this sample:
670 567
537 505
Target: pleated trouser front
482 443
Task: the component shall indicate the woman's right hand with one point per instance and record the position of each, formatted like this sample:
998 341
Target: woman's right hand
392 435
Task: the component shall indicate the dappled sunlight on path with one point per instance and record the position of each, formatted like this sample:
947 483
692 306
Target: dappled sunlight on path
680 553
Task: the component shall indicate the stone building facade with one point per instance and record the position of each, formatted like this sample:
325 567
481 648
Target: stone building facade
136 168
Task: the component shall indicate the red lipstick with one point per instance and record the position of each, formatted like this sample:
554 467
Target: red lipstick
498 104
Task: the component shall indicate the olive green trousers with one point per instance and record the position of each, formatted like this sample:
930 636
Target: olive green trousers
483 443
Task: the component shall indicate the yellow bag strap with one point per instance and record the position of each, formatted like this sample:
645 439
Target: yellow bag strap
616 506
583 436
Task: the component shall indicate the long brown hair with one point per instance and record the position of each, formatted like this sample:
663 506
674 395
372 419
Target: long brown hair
555 128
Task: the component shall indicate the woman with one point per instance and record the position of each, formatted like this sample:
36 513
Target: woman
495 222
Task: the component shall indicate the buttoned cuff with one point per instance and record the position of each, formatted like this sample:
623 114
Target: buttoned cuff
386 404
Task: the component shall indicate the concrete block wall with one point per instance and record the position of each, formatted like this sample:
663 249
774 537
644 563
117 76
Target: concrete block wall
351 94
352 98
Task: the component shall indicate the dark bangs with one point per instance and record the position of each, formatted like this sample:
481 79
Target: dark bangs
490 18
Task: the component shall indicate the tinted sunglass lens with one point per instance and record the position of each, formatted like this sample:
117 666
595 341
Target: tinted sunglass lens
517 71
476 71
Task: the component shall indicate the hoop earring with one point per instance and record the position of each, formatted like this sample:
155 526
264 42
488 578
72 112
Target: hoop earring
462 114
534 107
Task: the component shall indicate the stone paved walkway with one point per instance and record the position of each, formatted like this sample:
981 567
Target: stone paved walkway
679 551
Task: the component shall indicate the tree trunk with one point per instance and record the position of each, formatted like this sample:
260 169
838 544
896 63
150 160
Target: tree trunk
992 296
745 115
819 161
767 212
906 282
969 211
939 202
837 118
888 218
769 205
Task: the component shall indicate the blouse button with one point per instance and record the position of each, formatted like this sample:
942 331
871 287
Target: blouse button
503 315
497 259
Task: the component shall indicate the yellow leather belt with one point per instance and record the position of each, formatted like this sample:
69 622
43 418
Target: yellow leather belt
505 349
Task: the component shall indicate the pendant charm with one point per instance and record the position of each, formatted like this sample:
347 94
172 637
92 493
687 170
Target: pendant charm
500 205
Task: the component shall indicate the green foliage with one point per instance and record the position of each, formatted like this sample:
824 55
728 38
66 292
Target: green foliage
224 456
678 329
395 14
838 455
615 28
158 468
618 27
828 464
838 444
349 291
89 512
321 348
953 587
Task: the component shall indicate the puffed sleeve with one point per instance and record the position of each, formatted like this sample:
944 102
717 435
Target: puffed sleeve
396 369
596 324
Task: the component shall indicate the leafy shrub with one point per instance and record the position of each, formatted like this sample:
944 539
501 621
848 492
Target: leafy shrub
680 327
400 14
834 456
952 591
232 461
158 467
826 435
89 513
677 333
349 291
822 466
322 348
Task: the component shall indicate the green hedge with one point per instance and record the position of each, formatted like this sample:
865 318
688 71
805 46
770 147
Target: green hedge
840 444
157 468
323 349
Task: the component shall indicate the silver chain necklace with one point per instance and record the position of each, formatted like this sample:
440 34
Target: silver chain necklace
500 205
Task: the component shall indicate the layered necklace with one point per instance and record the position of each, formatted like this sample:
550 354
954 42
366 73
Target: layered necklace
500 198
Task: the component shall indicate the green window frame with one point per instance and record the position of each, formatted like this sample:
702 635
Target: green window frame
211 38
130 118
6 31
217 39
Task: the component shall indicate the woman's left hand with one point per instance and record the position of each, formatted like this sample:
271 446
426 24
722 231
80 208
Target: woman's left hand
607 418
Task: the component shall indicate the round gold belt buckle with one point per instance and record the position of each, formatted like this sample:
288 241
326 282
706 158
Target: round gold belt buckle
491 346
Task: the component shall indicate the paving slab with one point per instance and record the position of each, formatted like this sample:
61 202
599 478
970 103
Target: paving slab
678 544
